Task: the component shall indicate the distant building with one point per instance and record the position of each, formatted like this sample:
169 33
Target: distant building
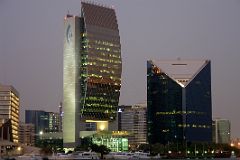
124 119
43 121
221 131
179 101
134 120
9 110
140 124
54 122
39 119
92 70
27 134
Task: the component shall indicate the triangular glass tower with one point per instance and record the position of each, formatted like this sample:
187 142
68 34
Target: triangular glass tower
179 101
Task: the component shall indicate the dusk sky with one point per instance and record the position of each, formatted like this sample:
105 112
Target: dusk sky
31 47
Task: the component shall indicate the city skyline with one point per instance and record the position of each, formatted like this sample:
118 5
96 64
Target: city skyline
31 47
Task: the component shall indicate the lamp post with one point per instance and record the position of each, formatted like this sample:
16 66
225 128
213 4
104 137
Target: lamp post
195 150
203 150
19 150
41 133
176 141
186 150
168 145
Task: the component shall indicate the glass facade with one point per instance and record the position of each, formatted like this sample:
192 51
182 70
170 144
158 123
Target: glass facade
178 109
38 118
199 107
164 100
92 69
100 70
43 121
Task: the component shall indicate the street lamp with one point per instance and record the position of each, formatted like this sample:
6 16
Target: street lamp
19 148
176 141
41 133
196 153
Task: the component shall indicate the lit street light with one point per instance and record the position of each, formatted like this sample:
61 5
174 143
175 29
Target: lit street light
40 133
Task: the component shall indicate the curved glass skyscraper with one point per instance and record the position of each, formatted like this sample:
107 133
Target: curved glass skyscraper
92 69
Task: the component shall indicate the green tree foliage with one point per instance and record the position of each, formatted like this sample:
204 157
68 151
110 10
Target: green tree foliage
55 145
100 149
85 144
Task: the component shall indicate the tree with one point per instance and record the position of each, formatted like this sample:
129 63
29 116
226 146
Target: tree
144 147
85 144
157 148
100 149
53 144
46 150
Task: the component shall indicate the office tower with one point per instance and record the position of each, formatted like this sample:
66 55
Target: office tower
9 109
120 113
179 101
91 70
39 119
43 121
134 120
54 122
27 134
221 131
125 118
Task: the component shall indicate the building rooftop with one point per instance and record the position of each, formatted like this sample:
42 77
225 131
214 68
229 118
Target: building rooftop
181 71
99 15
8 88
